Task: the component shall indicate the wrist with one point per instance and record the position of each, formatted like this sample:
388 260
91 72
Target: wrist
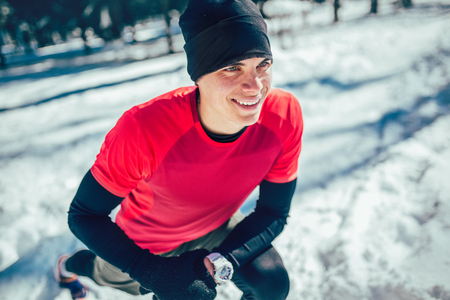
222 270
228 255
146 261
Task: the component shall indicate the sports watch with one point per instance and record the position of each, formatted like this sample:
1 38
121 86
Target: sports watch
223 269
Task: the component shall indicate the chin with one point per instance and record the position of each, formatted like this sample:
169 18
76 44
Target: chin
250 120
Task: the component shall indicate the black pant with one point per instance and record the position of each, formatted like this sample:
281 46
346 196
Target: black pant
262 278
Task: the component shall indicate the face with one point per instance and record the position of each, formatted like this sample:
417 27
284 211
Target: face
231 98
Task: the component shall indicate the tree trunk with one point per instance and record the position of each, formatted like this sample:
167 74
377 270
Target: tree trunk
165 10
374 7
336 8
2 62
116 15
2 58
407 3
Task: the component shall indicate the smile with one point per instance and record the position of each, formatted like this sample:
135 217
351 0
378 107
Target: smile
247 103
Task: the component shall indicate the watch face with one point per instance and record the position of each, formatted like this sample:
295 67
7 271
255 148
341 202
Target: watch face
223 269
225 273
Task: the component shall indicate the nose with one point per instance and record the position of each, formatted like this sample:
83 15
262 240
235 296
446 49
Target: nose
252 83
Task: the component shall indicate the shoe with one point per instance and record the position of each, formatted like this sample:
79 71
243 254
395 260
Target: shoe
77 290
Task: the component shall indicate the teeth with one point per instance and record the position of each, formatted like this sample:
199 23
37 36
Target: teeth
247 103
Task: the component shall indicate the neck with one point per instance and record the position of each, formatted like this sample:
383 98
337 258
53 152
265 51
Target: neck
211 125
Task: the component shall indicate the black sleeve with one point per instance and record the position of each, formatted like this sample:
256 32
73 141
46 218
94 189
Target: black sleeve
257 231
90 222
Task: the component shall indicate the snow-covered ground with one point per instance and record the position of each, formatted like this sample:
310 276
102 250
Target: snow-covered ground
371 214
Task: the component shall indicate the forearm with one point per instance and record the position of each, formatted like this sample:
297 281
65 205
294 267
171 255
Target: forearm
247 241
257 231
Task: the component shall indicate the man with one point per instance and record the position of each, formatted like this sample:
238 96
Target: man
182 164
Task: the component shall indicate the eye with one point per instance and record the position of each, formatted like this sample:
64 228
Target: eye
231 69
265 63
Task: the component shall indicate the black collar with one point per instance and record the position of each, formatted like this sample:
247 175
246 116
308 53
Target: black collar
224 138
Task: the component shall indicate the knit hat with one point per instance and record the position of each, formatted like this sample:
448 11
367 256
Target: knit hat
219 33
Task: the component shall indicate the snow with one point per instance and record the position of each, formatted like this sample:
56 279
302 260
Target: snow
371 215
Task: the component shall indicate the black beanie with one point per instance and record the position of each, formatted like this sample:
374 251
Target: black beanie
219 33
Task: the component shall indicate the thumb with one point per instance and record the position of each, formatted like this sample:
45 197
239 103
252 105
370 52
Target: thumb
203 273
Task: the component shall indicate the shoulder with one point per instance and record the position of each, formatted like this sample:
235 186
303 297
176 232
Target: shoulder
166 117
281 109
170 101
169 107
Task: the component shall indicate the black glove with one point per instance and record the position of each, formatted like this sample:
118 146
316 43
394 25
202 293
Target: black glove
184 277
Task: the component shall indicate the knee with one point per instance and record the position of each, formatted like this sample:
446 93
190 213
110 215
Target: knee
274 284
275 278
81 263
267 280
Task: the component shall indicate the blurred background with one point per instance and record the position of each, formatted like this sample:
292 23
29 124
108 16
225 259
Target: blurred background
27 25
370 218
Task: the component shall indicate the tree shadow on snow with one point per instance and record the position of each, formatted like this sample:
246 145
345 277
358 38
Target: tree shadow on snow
334 83
73 62
33 272
79 91
48 150
392 128
410 119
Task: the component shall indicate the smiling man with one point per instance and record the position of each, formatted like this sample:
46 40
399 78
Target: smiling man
182 164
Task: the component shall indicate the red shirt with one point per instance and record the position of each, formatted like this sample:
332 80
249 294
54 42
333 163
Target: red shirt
179 184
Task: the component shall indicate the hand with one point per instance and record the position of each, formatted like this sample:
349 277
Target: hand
210 267
184 277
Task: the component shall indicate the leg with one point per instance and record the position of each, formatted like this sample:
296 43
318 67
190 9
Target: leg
86 263
81 263
263 278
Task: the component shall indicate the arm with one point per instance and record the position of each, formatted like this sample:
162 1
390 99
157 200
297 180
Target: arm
257 231
89 221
